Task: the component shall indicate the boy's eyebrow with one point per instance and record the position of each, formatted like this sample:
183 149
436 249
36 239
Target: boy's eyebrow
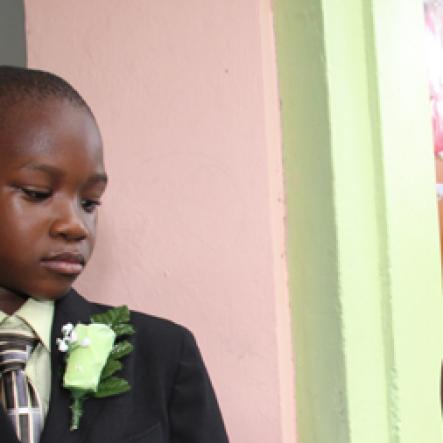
52 170
98 178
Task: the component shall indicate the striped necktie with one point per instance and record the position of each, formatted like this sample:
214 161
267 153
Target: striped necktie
18 396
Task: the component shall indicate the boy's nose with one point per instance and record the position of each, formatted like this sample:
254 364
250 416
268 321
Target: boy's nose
69 223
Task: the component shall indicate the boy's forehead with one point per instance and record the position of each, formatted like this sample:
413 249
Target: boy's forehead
54 134
34 126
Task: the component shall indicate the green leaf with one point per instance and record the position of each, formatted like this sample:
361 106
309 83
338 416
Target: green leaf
123 329
113 316
110 368
121 349
112 386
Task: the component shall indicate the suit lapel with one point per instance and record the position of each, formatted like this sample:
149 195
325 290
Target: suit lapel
70 309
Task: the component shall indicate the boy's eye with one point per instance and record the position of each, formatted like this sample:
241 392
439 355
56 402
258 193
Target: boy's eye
36 194
90 205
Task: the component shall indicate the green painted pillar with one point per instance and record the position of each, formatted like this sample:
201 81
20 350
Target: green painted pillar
363 243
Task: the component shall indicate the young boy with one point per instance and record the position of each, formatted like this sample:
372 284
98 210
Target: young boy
52 177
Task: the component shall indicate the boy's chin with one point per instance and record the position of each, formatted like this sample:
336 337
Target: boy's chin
50 295
51 288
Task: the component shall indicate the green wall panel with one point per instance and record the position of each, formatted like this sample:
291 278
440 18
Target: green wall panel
364 267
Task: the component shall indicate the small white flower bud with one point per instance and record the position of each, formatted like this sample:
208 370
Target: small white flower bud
85 342
62 345
67 328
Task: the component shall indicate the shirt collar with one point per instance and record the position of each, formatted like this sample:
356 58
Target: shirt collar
38 314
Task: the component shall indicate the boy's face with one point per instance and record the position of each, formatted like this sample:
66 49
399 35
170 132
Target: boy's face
51 179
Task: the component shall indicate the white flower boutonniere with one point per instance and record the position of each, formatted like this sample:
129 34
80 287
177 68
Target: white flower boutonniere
93 354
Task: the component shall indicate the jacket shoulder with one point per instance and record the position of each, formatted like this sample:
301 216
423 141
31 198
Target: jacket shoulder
156 335
150 324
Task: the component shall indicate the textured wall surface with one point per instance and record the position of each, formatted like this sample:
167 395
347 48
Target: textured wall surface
192 224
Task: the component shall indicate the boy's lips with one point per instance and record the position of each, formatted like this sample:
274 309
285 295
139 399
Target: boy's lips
67 263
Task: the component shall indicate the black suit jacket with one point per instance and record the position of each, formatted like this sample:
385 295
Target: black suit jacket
171 398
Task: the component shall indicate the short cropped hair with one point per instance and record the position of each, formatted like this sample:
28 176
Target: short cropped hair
23 84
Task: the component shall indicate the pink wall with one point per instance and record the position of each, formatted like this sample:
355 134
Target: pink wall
192 224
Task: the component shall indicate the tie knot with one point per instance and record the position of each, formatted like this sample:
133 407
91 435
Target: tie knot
15 350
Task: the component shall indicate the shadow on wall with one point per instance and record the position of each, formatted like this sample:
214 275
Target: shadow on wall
12 33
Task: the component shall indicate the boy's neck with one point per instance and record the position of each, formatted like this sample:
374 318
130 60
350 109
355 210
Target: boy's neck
10 301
